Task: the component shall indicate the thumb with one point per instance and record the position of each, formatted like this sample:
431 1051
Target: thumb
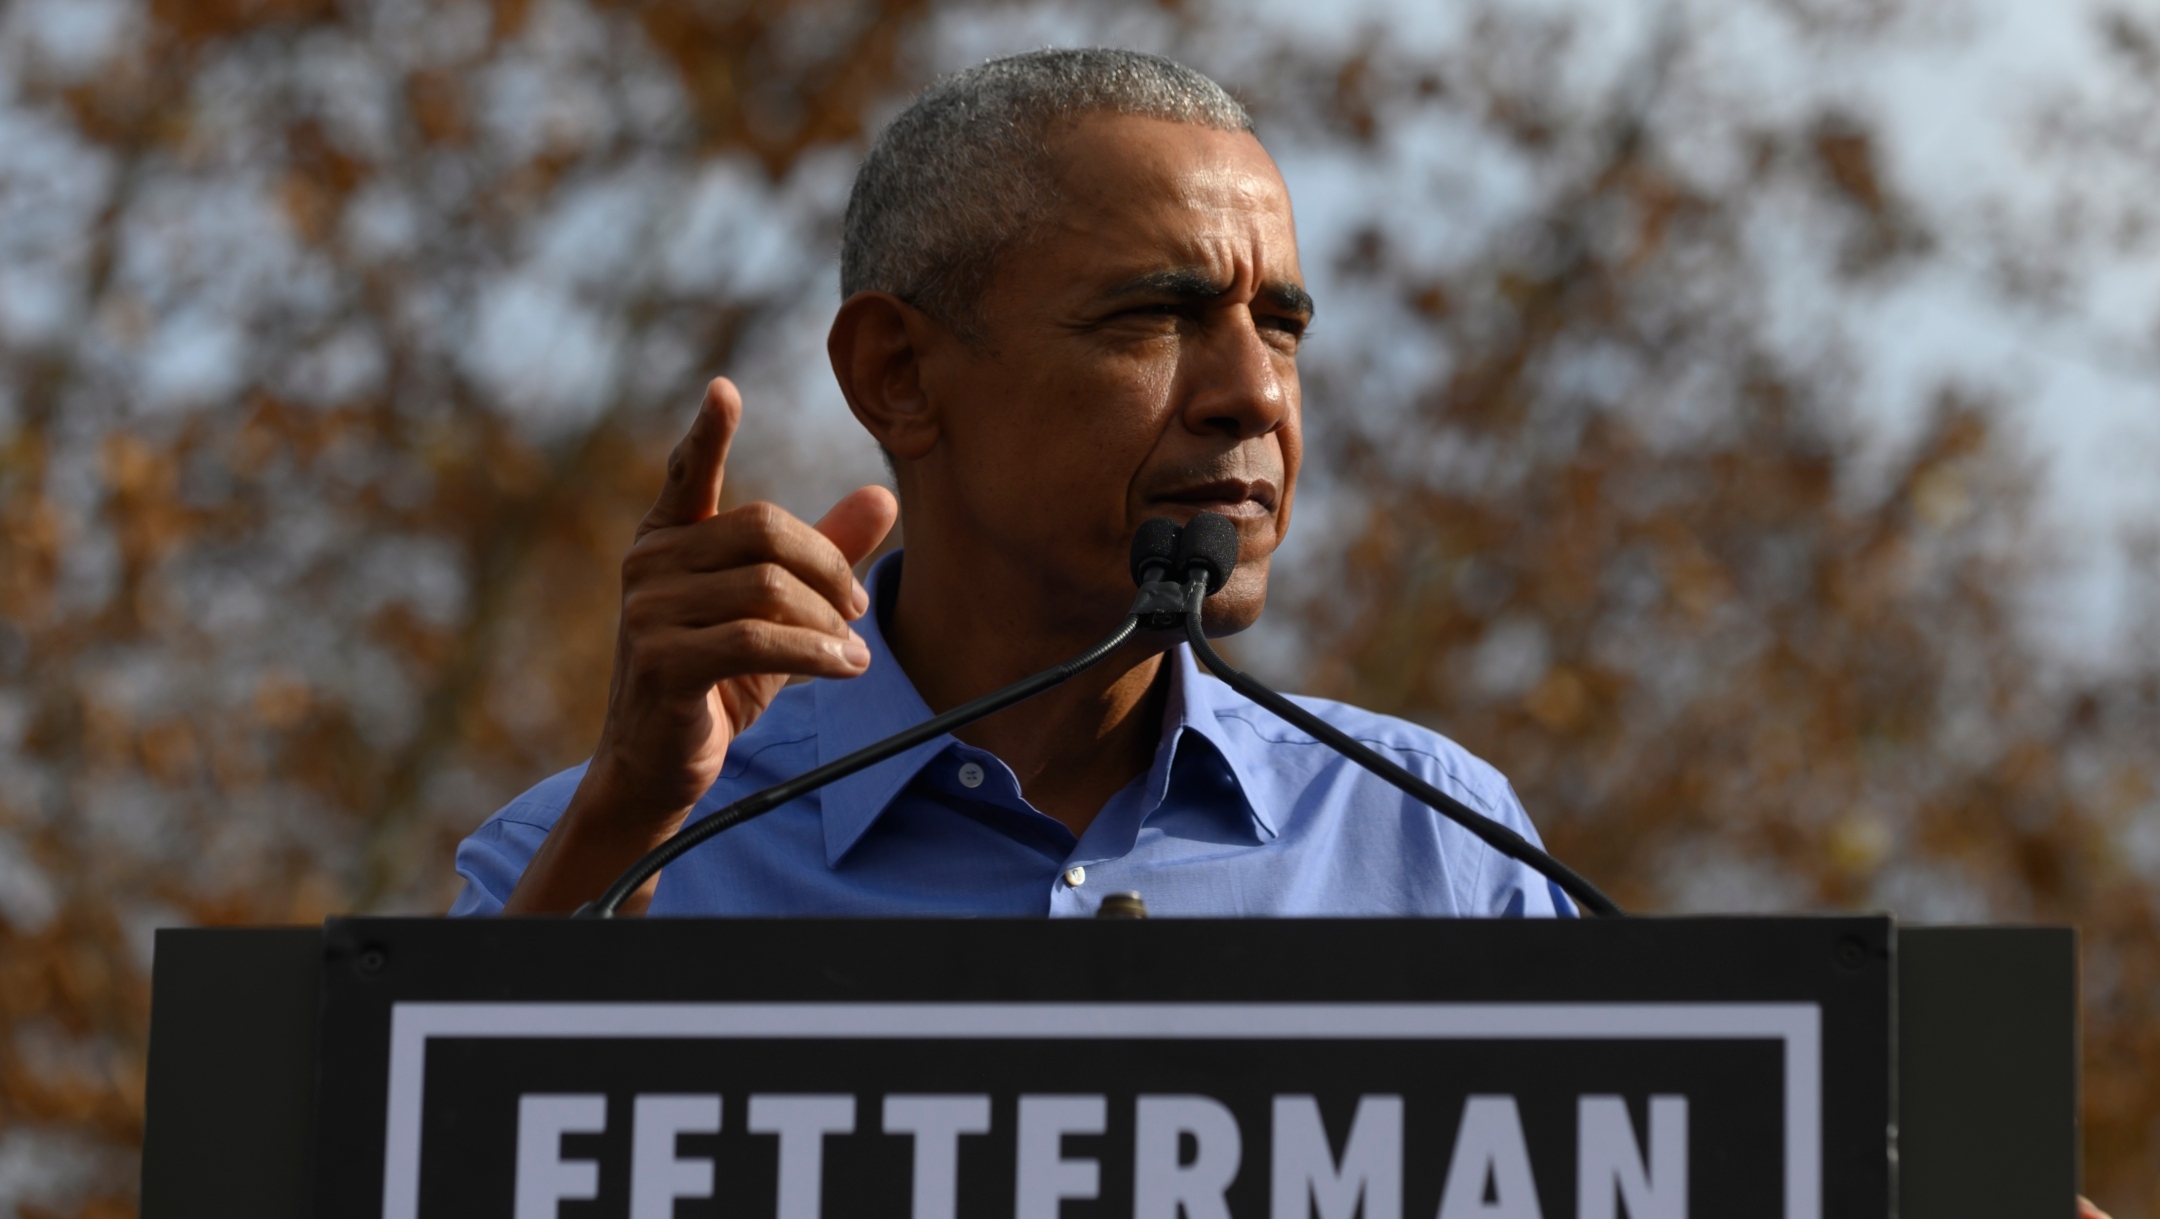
860 521
695 468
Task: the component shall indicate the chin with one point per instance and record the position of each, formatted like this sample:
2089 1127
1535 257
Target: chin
1239 604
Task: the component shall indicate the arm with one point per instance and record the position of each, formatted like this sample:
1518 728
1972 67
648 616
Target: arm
719 609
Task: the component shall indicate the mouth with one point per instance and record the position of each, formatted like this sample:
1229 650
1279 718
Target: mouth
1235 498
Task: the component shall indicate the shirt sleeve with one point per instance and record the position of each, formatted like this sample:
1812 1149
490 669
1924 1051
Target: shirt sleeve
1507 888
491 860
493 857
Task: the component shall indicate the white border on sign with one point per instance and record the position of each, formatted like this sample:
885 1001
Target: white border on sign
1797 1025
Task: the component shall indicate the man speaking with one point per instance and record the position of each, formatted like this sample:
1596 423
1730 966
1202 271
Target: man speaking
1071 304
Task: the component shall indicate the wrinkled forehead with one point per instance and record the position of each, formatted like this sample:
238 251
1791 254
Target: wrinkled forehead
1119 163
1128 188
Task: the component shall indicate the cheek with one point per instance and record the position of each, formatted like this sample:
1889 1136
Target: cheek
1110 413
1291 438
1064 438
1134 386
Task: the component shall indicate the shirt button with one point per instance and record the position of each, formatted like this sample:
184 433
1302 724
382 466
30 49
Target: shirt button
971 775
1076 876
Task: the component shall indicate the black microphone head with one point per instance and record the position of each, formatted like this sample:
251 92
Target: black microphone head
1155 546
1210 541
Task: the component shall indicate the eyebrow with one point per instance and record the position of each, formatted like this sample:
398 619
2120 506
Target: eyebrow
1193 284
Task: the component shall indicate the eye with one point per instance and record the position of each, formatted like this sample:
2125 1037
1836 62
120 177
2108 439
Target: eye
1155 318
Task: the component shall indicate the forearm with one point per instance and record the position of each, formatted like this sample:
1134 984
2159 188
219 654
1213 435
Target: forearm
593 842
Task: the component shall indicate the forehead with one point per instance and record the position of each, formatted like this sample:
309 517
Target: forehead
1140 190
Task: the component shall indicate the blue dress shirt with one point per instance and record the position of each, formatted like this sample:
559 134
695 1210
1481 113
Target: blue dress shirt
1240 814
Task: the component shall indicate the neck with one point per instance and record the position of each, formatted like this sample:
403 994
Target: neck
963 627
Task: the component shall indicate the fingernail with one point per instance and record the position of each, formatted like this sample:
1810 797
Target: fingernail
855 651
862 599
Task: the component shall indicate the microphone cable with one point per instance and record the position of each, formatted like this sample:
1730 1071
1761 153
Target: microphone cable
1206 554
1207 551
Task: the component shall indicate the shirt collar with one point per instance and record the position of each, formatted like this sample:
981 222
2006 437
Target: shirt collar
863 710
1197 701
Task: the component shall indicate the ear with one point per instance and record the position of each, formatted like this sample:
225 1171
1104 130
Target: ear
876 345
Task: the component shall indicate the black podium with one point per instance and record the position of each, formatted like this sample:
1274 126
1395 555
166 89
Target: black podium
1793 1068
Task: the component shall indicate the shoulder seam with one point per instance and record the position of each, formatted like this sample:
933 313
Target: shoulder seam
1485 806
505 817
768 747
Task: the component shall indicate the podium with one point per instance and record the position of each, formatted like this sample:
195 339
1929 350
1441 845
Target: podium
1652 1068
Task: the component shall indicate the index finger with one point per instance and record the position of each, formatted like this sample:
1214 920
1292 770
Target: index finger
698 464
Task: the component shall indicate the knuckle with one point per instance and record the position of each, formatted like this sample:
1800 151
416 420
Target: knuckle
648 556
769 581
638 609
839 570
752 636
767 521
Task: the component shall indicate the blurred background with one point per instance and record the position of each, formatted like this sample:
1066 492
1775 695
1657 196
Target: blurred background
1736 419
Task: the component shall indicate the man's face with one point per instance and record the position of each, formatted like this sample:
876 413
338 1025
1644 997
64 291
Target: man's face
1139 360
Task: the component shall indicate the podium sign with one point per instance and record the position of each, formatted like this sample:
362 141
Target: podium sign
1166 1069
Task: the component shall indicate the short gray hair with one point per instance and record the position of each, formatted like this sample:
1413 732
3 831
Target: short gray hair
964 171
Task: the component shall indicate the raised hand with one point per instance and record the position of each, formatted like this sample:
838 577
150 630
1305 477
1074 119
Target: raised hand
719 609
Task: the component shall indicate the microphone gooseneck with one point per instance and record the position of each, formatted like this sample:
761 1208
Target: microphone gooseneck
1205 566
778 794
1153 550
1177 570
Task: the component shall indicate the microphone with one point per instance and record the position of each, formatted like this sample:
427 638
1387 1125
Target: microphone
1154 550
1207 552
1208 547
1159 605
1177 569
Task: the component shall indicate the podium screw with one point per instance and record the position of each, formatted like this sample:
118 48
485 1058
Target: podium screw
1121 905
371 962
1852 952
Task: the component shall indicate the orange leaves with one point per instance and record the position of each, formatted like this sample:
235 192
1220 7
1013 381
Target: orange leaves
281 701
1847 156
194 22
141 480
755 82
321 177
437 102
1695 582
1560 703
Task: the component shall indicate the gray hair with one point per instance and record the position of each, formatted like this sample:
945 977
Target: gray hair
964 172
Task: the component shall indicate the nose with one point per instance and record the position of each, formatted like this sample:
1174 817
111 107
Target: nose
1240 386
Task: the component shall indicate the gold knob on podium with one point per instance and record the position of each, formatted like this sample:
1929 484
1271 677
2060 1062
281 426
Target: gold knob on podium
1121 905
